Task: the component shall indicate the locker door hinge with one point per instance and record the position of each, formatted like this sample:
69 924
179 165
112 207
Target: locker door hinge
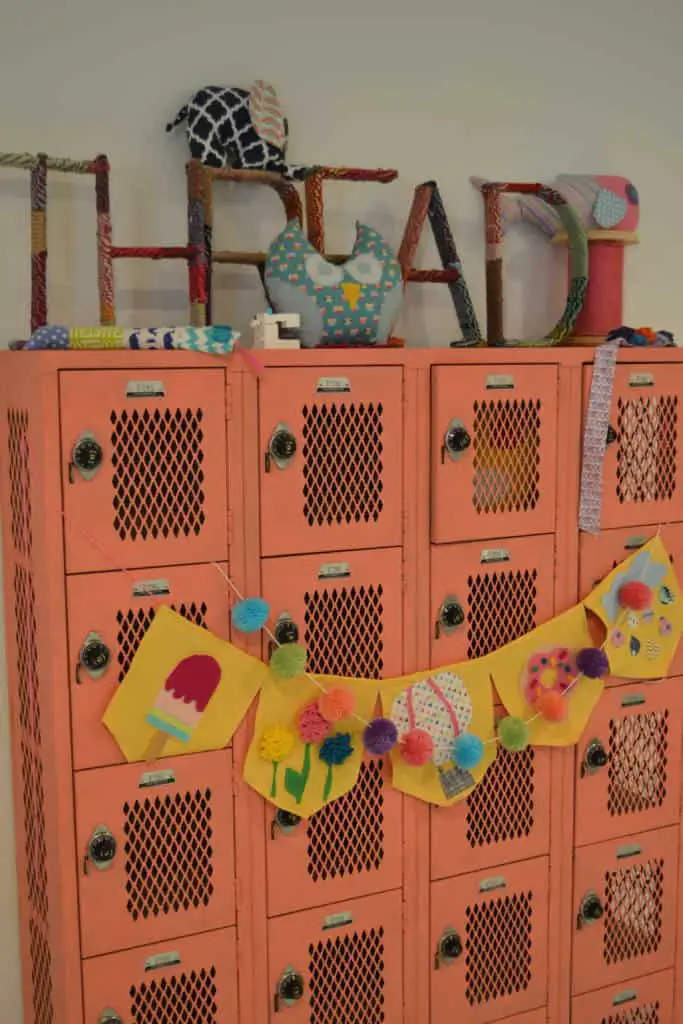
230 528
404 579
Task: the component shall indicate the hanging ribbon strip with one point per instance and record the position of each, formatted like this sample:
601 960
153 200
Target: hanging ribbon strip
595 437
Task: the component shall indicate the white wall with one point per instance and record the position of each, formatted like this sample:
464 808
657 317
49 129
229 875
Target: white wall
438 89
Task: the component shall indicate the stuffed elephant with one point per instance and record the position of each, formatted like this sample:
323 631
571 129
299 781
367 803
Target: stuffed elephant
230 127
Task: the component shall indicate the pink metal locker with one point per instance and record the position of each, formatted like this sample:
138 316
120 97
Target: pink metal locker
155 844
144 467
506 818
490 943
628 763
494 431
340 963
108 615
625 894
331 443
644 457
602 553
190 979
641 1001
484 596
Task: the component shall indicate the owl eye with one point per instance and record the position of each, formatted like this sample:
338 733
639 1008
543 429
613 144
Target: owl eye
323 273
366 269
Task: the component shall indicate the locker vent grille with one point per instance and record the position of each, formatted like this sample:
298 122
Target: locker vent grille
633 917
638 763
646 457
41 976
501 808
344 632
25 681
157 475
498 948
507 456
187 998
502 607
342 463
132 626
646 1014
169 853
27 653
347 979
19 467
346 837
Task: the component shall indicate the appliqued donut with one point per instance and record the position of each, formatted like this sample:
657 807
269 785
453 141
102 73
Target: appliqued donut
552 670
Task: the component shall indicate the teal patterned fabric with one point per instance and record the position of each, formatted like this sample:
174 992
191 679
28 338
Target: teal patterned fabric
355 303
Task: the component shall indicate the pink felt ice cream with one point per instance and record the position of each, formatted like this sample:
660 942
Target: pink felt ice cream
179 706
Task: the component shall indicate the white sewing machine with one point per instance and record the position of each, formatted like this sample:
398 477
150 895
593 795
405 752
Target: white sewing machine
276 330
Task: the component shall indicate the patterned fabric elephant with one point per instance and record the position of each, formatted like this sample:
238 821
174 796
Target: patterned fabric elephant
231 127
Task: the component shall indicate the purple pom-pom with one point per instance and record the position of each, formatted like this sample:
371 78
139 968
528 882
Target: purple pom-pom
380 736
592 662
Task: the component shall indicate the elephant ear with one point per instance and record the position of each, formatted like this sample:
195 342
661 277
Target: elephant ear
266 114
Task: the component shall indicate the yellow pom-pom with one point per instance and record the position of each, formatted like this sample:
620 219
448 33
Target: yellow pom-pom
277 742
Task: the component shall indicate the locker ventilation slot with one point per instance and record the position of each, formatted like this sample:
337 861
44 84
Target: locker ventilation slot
507 458
157 475
498 948
169 853
24 679
342 463
346 979
132 626
638 763
345 632
346 838
646 458
633 918
502 607
27 654
646 1014
501 808
19 481
187 998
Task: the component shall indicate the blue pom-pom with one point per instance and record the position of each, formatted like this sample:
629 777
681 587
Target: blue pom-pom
336 749
468 750
250 615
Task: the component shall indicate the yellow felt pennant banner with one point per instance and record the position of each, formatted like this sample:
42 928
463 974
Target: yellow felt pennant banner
290 773
168 641
544 662
640 644
446 703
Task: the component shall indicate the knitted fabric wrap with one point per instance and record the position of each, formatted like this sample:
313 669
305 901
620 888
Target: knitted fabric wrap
439 704
595 437
214 340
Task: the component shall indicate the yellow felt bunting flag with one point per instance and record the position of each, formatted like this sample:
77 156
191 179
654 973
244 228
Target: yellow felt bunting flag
446 704
190 711
299 760
537 680
641 641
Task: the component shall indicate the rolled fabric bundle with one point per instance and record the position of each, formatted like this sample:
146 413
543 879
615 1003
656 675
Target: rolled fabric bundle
217 340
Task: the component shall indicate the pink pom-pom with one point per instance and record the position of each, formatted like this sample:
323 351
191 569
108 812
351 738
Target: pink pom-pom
417 747
336 704
635 595
311 725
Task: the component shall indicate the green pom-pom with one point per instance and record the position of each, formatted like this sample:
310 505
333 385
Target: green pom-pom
513 734
288 661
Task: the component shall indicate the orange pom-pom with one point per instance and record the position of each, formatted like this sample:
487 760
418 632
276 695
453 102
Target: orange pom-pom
552 706
635 595
336 704
417 747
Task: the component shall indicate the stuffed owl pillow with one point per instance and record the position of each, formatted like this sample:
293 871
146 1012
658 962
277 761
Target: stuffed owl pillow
354 303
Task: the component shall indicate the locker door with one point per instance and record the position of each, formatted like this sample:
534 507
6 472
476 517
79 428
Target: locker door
641 1001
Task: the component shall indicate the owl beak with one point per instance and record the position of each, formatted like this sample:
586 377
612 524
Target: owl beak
351 292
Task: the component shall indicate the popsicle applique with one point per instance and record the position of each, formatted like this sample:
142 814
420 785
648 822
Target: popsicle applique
183 699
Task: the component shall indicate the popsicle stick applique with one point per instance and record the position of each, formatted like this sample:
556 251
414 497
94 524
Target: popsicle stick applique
183 699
